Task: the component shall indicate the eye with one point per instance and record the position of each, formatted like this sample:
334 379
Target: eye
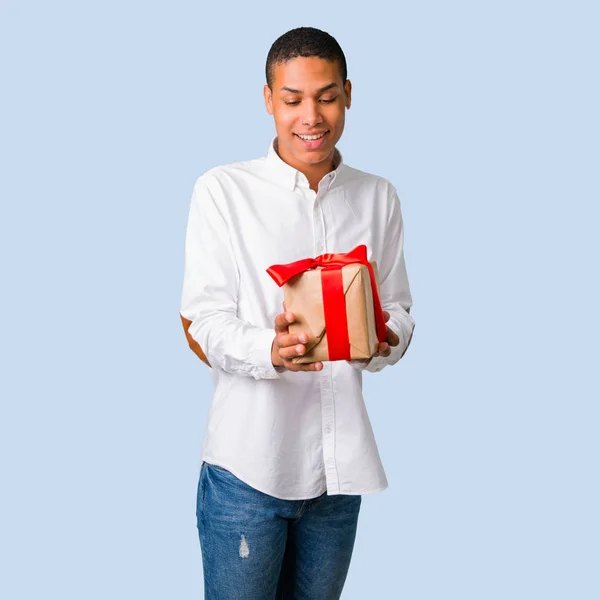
328 101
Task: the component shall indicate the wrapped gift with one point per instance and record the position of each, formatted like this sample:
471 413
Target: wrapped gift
335 299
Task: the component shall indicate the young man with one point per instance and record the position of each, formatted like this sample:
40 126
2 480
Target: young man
289 448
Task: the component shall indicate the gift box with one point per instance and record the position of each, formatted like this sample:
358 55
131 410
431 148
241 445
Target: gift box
335 299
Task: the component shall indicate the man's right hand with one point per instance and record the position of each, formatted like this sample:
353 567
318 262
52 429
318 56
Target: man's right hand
287 345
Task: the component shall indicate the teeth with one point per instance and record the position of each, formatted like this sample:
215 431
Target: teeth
310 138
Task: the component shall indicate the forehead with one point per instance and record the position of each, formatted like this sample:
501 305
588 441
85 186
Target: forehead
306 73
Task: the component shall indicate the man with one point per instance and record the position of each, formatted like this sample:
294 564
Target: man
289 448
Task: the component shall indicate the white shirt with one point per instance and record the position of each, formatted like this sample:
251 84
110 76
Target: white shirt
292 435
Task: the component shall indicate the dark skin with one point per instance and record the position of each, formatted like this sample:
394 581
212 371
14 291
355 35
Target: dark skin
286 345
308 97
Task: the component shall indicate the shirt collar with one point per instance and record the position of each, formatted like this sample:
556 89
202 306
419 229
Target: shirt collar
290 177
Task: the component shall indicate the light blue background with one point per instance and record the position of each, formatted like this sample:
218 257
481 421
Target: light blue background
484 115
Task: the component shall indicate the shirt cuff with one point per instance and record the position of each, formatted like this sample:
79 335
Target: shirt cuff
261 356
360 365
376 363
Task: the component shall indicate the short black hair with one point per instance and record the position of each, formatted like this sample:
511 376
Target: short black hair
304 41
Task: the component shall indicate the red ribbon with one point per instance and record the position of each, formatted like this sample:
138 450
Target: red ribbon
334 301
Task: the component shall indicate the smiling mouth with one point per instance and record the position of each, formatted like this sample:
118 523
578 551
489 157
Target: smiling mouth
312 138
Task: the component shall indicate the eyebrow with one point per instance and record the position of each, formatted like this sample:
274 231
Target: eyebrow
320 90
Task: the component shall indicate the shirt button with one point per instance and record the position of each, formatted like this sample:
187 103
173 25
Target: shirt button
328 429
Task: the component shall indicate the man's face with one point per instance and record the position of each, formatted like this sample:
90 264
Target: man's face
308 98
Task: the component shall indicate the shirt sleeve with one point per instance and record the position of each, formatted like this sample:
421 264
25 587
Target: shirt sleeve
394 290
210 292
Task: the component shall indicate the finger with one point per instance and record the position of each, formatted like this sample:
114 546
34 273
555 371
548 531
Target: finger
384 349
392 338
282 321
292 366
291 339
317 366
289 352
386 316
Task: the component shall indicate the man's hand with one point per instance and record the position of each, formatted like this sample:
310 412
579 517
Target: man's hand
287 345
391 338
384 347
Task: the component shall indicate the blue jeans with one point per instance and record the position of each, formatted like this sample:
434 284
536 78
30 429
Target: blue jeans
257 547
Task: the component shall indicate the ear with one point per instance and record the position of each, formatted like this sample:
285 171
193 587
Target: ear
268 99
348 90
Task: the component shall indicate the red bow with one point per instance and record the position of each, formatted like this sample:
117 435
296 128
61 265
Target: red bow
334 302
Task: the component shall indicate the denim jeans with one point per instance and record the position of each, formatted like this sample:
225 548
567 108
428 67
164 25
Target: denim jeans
258 547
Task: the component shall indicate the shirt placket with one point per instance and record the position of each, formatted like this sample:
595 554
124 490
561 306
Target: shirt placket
326 374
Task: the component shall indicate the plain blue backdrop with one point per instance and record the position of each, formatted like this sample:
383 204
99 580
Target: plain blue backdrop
484 115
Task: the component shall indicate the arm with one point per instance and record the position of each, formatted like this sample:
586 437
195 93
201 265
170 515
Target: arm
209 296
394 291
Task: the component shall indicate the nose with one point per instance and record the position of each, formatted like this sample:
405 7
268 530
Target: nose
312 115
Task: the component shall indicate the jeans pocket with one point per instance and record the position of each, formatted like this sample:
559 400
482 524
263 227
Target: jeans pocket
201 491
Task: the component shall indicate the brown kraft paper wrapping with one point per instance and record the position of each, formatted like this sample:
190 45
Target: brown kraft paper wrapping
304 297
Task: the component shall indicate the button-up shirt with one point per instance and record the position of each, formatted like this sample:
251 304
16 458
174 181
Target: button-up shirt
292 435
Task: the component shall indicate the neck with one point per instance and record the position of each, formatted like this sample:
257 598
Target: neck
314 173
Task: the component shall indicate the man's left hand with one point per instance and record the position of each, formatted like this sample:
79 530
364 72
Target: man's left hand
391 339
384 347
